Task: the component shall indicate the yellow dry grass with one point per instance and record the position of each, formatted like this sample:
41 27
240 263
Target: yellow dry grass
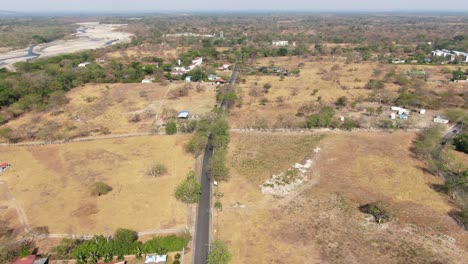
110 106
324 78
323 224
52 184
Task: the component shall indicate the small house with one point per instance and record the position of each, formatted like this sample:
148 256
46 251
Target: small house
3 167
404 116
220 81
393 116
150 80
212 77
183 114
422 111
41 261
83 64
26 260
280 43
150 259
188 79
225 66
441 120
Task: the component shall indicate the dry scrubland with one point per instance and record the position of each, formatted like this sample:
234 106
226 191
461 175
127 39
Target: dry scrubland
322 223
167 52
325 78
97 109
52 185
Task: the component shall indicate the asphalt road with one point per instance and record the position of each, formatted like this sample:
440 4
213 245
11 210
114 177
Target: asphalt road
453 132
202 231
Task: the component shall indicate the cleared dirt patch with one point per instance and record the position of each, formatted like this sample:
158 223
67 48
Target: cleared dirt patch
52 184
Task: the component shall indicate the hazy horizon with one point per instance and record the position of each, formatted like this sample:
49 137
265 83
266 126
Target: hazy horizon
123 6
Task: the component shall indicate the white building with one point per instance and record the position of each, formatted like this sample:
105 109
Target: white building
83 64
197 61
280 43
441 120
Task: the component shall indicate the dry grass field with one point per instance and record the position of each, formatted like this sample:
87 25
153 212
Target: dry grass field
321 80
166 52
52 184
96 109
321 223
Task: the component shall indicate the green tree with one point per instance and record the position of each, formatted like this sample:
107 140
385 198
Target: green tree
461 142
219 253
341 101
322 119
171 128
189 190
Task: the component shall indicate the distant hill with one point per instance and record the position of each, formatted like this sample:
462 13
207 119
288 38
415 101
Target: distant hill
9 13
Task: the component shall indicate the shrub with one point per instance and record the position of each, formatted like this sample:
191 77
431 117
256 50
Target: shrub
322 119
189 190
179 92
157 170
100 188
171 128
349 124
341 101
378 210
263 101
375 84
461 142
219 253
135 117
196 144
166 244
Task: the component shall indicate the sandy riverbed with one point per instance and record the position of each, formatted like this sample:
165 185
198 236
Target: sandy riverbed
91 35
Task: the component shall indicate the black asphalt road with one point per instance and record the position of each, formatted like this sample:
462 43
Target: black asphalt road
458 128
202 233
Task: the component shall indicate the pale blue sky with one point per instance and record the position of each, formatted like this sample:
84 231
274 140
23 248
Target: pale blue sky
232 5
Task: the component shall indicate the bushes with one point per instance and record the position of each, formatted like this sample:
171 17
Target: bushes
378 210
100 188
124 242
162 245
171 128
156 170
427 142
179 92
461 142
219 253
217 166
322 119
189 190
341 101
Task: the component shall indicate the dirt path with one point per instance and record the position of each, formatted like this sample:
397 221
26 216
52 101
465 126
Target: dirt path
81 139
246 130
19 210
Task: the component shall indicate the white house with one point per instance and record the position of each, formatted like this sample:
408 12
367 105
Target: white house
422 111
197 61
212 77
280 43
150 259
149 80
83 64
441 120
225 66
188 79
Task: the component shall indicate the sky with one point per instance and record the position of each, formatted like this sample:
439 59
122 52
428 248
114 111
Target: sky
232 5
